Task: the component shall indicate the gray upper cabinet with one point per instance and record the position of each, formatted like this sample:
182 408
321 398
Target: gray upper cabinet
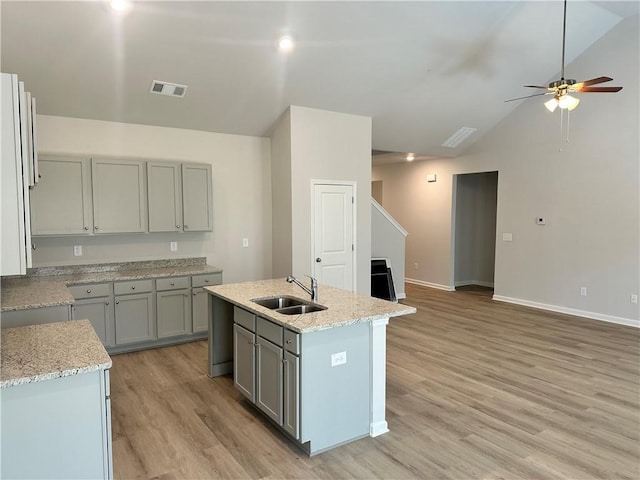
119 196
164 183
197 197
61 204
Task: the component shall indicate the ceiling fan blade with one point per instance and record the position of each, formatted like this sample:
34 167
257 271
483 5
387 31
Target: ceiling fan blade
534 86
593 81
599 89
528 96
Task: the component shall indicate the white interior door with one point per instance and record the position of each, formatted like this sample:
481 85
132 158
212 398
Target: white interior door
333 235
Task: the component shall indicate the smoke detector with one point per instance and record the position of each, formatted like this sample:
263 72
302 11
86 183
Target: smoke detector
167 88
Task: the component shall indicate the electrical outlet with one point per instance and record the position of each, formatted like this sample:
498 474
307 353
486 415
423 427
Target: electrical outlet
77 250
245 242
173 246
416 266
583 291
338 359
634 298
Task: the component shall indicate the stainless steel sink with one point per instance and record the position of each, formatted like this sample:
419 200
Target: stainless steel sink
274 303
288 305
300 309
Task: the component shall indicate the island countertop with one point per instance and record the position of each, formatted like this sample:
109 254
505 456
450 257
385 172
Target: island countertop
343 307
41 352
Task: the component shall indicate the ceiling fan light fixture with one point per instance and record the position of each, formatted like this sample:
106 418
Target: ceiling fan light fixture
568 102
551 104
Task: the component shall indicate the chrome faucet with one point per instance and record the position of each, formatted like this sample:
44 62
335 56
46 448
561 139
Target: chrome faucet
313 291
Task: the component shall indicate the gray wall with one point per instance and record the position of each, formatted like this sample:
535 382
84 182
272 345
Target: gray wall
241 195
387 241
475 228
326 146
589 193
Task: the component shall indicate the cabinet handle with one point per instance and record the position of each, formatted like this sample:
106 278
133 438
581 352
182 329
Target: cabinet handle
172 283
186 226
178 227
284 361
88 290
106 303
133 287
186 295
194 294
86 228
288 342
117 302
206 280
95 228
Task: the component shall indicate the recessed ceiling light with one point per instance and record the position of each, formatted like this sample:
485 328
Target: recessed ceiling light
120 5
411 157
285 43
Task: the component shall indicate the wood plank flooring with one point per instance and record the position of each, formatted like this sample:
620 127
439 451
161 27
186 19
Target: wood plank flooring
475 389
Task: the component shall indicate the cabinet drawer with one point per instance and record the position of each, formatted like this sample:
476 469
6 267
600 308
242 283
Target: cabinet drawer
134 286
292 342
173 283
90 291
244 318
206 280
269 330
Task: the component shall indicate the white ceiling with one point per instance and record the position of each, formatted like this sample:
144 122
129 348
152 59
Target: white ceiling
421 70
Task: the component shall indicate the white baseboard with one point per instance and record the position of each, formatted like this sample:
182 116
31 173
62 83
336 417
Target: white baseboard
429 284
474 282
570 311
378 428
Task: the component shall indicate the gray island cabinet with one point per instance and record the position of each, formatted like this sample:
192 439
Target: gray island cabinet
55 405
320 376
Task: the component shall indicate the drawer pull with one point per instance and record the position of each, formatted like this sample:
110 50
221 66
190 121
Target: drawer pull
172 283
206 280
133 287
117 302
288 342
88 290
106 303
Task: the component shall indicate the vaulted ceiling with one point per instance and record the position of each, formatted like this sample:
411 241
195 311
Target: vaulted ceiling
421 70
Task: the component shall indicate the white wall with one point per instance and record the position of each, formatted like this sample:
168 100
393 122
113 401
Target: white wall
241 195
589 193
330 146
387 241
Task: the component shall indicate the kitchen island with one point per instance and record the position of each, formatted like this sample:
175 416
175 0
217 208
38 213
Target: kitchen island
319 376
55 405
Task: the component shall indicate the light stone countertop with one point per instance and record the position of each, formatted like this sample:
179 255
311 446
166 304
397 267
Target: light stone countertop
48 290
343 307
42 352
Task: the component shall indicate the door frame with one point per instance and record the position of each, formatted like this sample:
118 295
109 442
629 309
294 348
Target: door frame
354 253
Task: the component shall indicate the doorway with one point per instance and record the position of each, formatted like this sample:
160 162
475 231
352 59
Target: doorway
475 205
333 235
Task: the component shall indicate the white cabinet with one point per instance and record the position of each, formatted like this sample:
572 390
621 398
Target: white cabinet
119 196
179 197
197 197
61 205
17 169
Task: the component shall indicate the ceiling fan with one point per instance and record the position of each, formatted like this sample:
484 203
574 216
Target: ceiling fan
560 89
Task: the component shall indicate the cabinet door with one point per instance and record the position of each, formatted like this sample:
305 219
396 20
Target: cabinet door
269 381
99 311
200 310
61 204
119 196
134 318
291 412
173 313
197 197
244 361
164 185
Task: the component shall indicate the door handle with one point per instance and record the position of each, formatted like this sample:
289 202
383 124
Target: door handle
318 260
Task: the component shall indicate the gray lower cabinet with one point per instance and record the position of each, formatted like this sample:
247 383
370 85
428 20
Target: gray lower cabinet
267 368
35 316
95 303
173 306
200 309
291 411
134 318
244 365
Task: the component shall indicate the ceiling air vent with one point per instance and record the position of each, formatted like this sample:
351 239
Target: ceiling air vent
457 138
166 88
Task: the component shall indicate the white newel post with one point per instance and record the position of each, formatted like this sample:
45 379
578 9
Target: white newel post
378 424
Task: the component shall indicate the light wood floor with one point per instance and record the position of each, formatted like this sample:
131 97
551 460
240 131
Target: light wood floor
475 389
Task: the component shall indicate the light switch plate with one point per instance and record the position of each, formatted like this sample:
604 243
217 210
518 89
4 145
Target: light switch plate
245 242
507 237
174 246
